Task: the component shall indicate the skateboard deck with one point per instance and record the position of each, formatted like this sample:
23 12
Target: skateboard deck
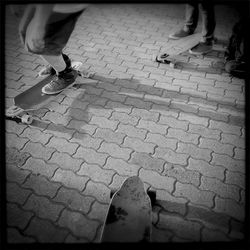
129 216
33 99
178 47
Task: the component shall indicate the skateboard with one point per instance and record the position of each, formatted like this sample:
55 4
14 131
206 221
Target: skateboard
174 50
33 98
129 216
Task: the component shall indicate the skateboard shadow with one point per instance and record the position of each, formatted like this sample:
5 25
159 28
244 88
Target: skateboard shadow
102 95
172 214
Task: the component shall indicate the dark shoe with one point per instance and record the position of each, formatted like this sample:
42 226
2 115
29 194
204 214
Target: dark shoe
201 48
60 82
180 34
235 68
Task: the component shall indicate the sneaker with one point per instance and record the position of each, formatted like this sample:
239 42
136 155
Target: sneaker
47 70
201 48
60 82
180 34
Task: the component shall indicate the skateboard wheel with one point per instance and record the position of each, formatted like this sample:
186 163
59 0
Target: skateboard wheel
27 119
172 65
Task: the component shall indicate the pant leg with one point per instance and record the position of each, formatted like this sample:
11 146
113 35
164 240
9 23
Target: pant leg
192 16
208 20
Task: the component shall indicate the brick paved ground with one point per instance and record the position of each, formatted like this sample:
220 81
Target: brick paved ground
181 130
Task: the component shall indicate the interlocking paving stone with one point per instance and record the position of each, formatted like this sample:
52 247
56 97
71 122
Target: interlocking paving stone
98 211
156 180
179 226
109 136
224 127
195 195
208 235
17 217
14 236
74 200
13 141
12 189
229 207
173 123
43 207
206 169
50 232
96 173
70 179
203 131
124 118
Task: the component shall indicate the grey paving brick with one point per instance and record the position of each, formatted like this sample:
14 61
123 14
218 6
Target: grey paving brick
63 145
115 150
214 115
98 211
78 224
17 217
121 167
57 118
203 103
171 156
41 186
184 107
113 96
138 145
229 207
124 118
59 131
202 81
235 178
210 219
237 229
204 132
206 169
152 127
14 141
220 188
96 173
82 127
194 151
146 161
91 156
156 180
65 161
86 140
216 146
183 136
180 227
173 122
161 141
15 157
185 83
228 163
170 203
208 235
164 110
14 236
74 200
183 175
13 127
239 154
194 119
16 174
43 207
37 150
131 131
103 122
224 127
12 189
69 179
161 236
145 114
51 233
194 195
97 190
138 103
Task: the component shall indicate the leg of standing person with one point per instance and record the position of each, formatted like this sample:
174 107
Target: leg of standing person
208 27
191 21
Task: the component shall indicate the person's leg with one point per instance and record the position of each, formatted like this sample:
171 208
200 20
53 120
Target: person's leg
191 21
208 27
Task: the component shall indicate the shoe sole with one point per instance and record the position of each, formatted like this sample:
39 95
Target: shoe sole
199 53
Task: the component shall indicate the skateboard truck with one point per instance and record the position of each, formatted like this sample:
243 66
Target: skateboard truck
14 113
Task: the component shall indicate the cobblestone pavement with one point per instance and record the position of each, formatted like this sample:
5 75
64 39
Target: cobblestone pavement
180 130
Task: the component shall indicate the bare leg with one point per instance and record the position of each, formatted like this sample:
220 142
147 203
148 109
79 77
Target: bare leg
57 62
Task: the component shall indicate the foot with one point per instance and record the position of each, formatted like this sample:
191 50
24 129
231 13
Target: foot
60 82
201 48
180 34
47 70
